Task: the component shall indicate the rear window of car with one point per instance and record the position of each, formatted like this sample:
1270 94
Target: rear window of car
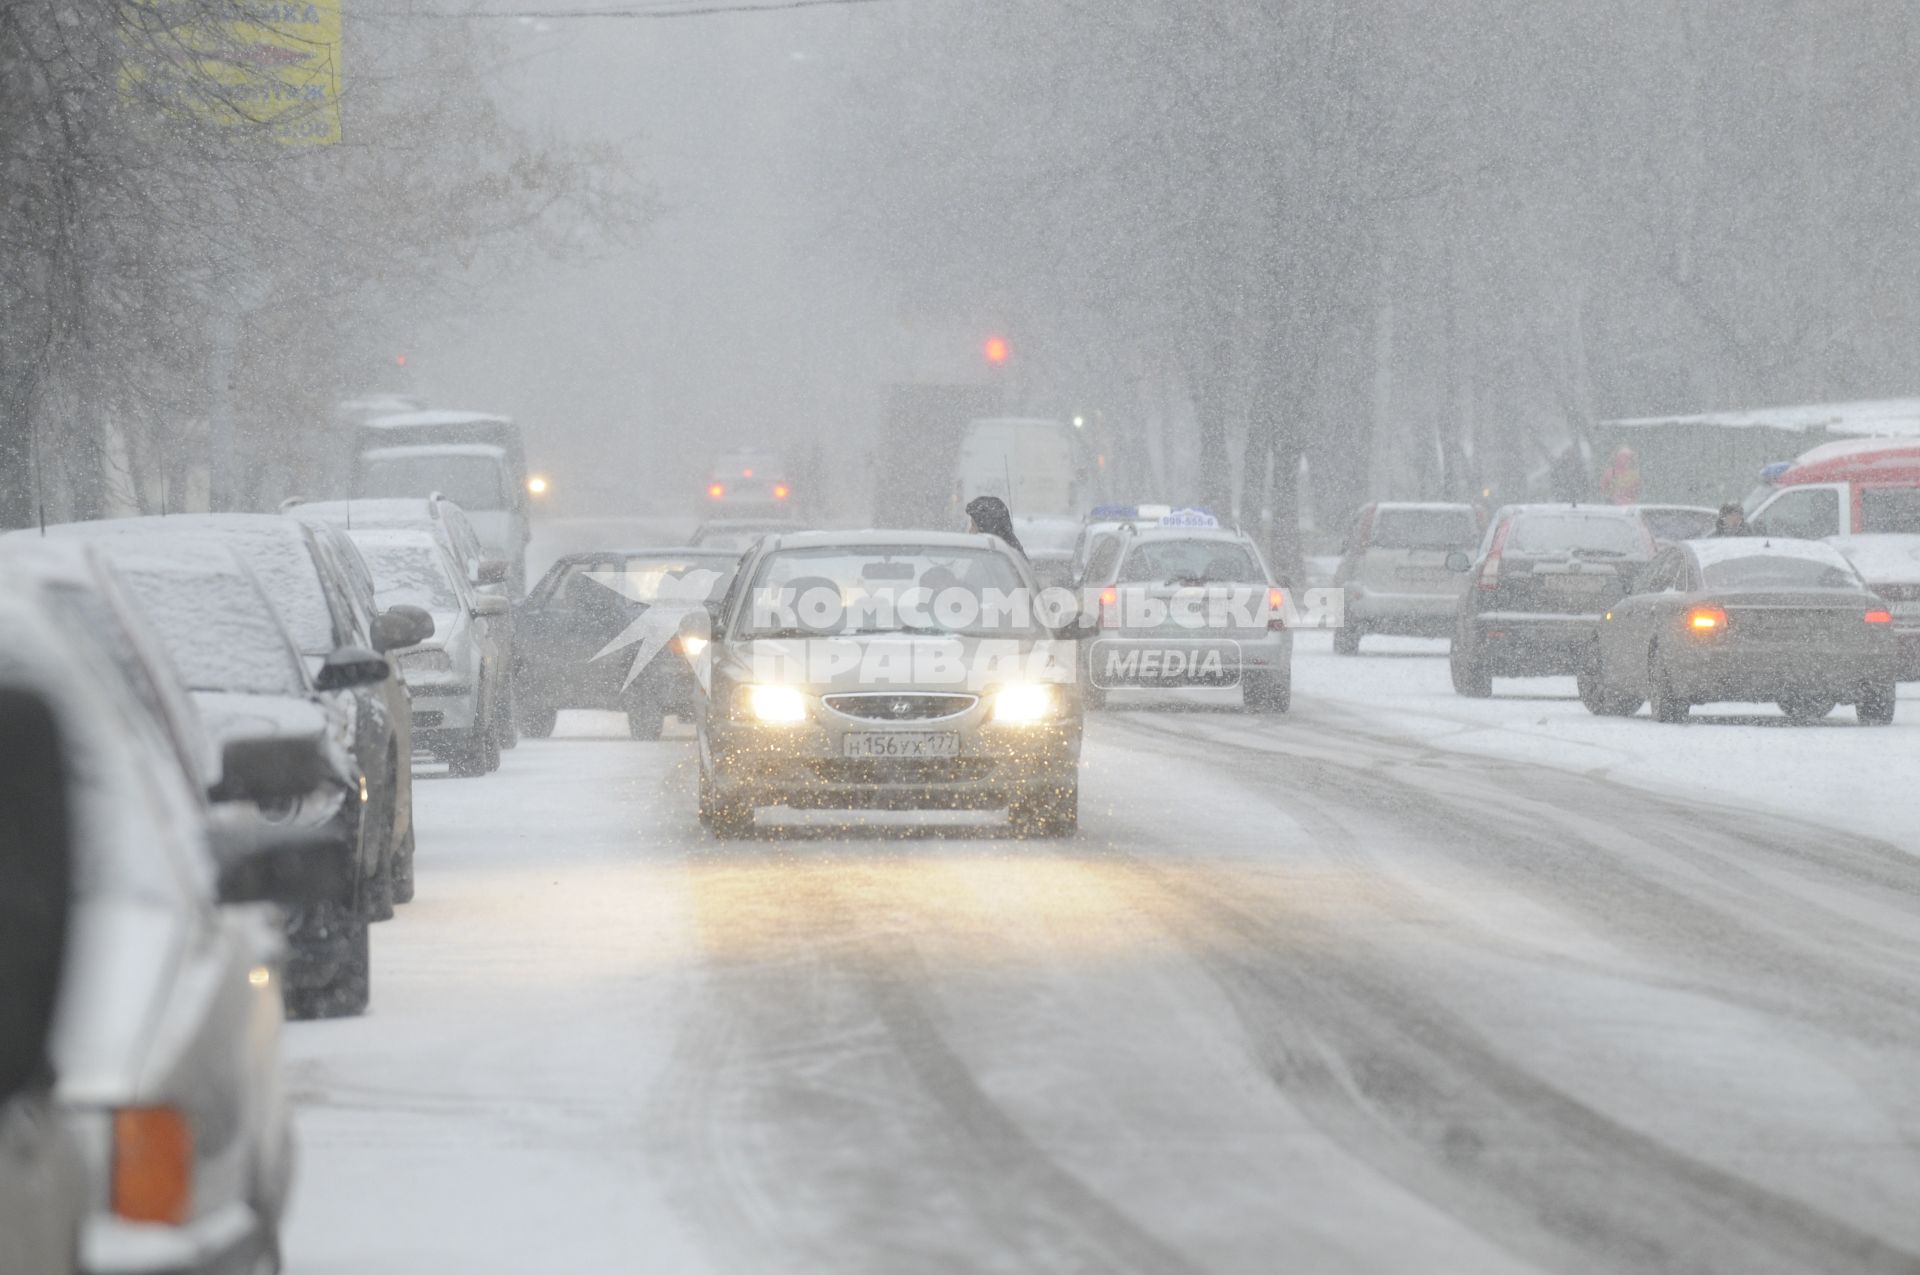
411 573
1183 562
217 629
1774 571
1424 529
1550 533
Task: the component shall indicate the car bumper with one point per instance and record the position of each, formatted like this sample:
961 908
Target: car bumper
805 769
1410 614
229 1240
1736 675
442 707
1535 644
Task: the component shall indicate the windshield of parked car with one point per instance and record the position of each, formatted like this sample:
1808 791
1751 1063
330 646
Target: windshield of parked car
1190 562
217 629
475 483
413 572
888 588
1424 529
1560 533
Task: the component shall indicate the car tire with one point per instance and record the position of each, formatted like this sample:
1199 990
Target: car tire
1469 670
507 722
646 718
1667 707
1601 701
538 723
351 989
726 819
1346 638
403 870
380 892
470 757
1266 692
1047 812
1876 704
377 830
1807 708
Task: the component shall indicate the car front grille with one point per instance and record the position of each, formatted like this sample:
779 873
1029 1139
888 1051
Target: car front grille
933 770
881 706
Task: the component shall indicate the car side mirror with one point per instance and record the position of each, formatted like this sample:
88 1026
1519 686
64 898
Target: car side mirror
490 604
1458 561
351 667
272 768
402 625
292 866
714 630
491 571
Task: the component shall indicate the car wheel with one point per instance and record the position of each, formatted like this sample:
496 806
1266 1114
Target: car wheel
1875 705
1267 692
645 718
1469 670
1047 812
507 722
538 723
1807 708
1667 706
1346 638
725 818
380 892
377 829
350 989
403 870
468 757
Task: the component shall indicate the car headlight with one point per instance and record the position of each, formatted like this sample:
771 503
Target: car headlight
1025 703
691 644
429 661
774 705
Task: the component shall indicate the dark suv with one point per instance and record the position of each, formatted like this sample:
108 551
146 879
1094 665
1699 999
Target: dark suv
1535 594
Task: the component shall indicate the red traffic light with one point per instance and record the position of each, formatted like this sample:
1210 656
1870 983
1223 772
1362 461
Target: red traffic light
996 349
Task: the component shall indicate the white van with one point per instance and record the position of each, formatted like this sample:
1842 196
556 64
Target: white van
1033 465
478 477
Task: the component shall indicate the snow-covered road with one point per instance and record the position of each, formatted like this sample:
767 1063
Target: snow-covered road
1396 982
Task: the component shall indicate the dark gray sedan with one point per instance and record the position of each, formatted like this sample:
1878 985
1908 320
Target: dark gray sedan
1748 620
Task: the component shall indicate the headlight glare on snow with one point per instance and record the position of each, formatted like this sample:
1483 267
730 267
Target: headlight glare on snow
774 705
1025 703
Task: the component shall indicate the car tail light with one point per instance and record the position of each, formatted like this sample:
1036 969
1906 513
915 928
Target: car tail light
152 1165
1879 617
1706 620
1490 573
1276 609
1109 608
716 490
779 491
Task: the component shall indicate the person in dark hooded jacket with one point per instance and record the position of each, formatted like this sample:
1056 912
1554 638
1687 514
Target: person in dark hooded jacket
990 516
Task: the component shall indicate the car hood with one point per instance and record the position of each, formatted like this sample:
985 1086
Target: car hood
900 661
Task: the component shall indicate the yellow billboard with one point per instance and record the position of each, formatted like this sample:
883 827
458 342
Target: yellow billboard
269 64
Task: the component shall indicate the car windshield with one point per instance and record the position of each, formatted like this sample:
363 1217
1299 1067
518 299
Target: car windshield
409 572
217 629
1190 562
1431 529
476 483
1546 534
1778 571
1679 524
888 588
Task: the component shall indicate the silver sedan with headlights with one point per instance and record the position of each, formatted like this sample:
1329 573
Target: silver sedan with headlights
890 671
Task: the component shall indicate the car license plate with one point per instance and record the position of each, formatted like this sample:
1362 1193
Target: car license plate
902 744
1580 583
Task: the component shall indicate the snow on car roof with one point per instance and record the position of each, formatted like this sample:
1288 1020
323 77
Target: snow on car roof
871 538
1425 506
437 416
1583 511
1886 417
1146 535
434 449
1884 558
409 509
1727 548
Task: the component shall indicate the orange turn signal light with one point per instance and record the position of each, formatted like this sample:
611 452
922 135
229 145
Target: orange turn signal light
1879 617
152 1165
716 490
1706 619
779 491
